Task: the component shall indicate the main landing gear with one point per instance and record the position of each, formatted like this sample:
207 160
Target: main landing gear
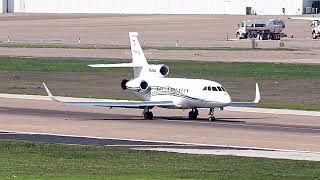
193 114
147 114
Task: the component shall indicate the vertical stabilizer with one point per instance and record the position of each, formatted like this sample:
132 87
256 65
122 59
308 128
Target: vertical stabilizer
138 57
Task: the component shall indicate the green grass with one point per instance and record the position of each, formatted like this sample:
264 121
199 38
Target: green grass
264 73
269 71
100 46
310 107
26 160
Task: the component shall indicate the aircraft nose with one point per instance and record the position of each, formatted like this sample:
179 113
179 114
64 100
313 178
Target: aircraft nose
227 99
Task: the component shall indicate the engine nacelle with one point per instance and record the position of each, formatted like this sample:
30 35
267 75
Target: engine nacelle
124 84
159 70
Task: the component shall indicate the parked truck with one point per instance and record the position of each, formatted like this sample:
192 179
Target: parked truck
263 29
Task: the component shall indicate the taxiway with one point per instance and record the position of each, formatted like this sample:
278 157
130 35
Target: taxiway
233 128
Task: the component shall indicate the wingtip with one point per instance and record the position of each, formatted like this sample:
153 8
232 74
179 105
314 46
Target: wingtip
47 90
132 34
258 97
95 65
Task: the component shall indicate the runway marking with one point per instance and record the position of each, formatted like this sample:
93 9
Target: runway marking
165 142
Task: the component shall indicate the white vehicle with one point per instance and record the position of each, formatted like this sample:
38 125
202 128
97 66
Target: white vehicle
315 24
263 29
149 83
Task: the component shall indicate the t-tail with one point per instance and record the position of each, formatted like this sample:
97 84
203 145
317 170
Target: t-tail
138 59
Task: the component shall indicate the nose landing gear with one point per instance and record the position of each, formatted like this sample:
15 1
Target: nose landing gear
193 115
211 117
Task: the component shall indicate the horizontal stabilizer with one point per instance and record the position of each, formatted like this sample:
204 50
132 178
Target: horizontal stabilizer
121 65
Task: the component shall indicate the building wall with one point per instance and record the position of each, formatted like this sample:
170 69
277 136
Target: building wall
275 7
131 6
261 7
3 6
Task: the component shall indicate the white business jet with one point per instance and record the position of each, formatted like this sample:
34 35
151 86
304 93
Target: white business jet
149 83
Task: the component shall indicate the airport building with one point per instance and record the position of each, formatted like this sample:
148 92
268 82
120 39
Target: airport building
236 7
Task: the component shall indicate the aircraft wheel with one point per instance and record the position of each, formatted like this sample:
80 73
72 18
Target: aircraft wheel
212 118
193 115
314 35
148 115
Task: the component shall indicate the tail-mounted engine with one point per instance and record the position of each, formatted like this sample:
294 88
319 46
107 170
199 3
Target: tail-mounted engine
135 85
124 84
159 70
144 85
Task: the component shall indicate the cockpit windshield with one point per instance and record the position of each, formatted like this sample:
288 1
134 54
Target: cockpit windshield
213 88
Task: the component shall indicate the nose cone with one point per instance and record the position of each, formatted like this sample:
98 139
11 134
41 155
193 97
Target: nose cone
227 99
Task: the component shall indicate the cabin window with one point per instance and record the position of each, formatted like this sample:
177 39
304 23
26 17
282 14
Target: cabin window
205 88
214 89
219 88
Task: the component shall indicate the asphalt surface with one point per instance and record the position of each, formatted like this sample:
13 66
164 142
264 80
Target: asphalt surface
230 123
262 130
159 30
77 140
61 139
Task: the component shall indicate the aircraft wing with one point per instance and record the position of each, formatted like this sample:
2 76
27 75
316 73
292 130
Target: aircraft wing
249 104
306 18
113 103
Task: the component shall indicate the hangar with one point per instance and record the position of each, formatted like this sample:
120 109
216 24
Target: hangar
236 7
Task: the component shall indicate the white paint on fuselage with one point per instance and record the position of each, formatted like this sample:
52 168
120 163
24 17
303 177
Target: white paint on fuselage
185 93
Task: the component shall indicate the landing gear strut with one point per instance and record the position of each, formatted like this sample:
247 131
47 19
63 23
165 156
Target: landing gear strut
193 114
211 117
147 114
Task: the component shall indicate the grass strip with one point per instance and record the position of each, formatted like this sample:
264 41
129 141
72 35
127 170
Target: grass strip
270 71
310 107
28 160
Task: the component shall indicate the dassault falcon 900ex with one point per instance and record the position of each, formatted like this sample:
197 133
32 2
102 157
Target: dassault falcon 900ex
149 83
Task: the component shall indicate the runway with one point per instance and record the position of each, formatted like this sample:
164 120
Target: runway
262 130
